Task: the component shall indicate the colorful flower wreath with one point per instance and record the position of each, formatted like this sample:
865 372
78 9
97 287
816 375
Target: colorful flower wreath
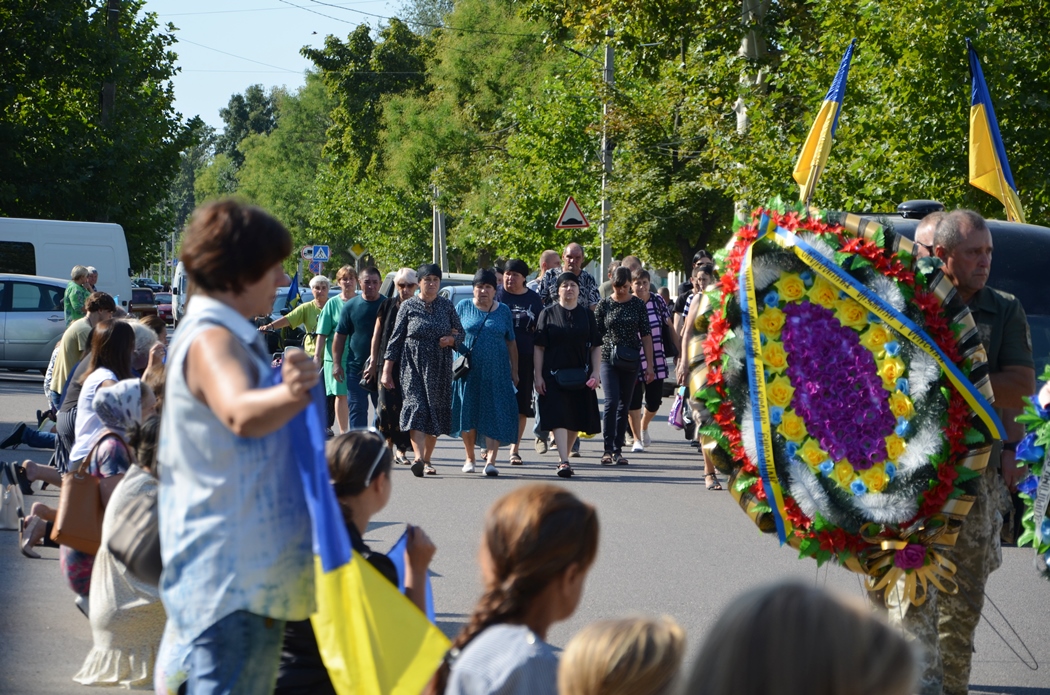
1035 488
842 385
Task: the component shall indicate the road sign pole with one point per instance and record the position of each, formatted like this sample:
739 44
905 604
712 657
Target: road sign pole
607 152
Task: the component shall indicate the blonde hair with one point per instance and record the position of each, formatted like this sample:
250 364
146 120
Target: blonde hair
632 656
78 273
793 639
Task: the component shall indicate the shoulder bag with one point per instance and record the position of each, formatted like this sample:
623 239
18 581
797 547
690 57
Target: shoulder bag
367 382
624 357
78 522
11 500
461 367
136 538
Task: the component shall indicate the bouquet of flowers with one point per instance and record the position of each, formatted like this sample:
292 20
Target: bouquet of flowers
1035 488
847 395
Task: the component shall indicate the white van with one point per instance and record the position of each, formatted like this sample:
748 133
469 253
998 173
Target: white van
178 293
52 248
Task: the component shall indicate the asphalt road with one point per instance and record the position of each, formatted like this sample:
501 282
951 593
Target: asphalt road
668 546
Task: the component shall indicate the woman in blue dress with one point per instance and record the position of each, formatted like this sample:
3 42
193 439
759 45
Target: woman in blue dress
483 403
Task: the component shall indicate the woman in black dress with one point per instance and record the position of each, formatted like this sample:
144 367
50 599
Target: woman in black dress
426 330
567 354
388 415
623 323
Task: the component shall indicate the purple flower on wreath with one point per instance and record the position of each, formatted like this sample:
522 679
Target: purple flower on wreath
1028 451
838 391
1028 486
910 557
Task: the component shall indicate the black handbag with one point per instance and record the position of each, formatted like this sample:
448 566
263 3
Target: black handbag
670 349
624 357
461 366
136 538
368 383
571 378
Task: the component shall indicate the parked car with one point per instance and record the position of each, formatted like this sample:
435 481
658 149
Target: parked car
447 280
32 320
457 293
163 300
142 302
148 283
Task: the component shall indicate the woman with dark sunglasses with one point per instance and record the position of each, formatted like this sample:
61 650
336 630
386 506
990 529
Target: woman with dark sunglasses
359 464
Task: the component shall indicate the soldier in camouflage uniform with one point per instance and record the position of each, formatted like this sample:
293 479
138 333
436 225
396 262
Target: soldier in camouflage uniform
945 624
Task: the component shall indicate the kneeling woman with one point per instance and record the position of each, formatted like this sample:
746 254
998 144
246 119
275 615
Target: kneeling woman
359 463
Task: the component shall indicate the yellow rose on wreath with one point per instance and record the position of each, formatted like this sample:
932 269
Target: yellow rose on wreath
895 447
771 322
842 474
823 293
774 356
850 313
901 405
875 337
811 453
792 427
790 287
891 369
875 478
780 391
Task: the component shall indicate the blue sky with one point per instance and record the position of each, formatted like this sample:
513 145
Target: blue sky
226 46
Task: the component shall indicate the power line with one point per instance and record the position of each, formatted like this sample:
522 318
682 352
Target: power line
233 55
251 9
320 14
424 24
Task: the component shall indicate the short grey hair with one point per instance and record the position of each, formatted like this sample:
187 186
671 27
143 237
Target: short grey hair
79 272
406 275
950 229
319 280
145 339
92 270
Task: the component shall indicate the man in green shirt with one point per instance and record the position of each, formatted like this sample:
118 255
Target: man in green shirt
357 323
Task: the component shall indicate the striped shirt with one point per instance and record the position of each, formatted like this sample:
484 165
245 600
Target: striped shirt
504 660
658 314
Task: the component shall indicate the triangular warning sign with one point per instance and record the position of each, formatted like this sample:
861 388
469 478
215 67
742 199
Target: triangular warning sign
571 216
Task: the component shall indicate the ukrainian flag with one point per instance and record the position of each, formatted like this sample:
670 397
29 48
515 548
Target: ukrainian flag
815 152
989 169
373 640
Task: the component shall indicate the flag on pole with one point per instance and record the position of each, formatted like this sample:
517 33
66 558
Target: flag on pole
815 151
292 299
372 639
989 169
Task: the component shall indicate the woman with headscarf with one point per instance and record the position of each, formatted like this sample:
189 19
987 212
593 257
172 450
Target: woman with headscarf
127 617
426 330
388 412
483 403
567 356
118 407
525 306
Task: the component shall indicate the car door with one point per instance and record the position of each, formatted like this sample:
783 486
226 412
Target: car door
35 322
4 284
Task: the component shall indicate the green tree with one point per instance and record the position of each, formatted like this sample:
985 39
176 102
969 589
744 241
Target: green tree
253 112
58 159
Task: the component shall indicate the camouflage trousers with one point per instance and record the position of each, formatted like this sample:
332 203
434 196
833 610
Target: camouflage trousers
945 624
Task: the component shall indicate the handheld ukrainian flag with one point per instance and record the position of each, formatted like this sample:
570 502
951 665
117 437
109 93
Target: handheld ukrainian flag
989 169
372 639
292 298
815 151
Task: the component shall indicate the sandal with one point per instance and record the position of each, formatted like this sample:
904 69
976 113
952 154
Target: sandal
417 468
23 478
564 470
428 469
515 460
26 533
712 482
607 459
621 461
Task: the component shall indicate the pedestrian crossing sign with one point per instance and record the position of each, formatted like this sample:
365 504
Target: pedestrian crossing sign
321 254
571 217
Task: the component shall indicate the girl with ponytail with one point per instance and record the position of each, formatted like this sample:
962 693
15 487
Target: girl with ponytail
538 545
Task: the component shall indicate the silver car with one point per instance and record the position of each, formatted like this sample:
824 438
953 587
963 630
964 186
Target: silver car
32 320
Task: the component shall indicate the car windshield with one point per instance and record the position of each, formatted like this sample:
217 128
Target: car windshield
162 297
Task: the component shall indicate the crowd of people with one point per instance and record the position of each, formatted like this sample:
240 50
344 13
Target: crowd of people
203 424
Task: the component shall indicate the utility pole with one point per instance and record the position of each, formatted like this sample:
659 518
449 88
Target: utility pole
109 89
606 154
439 255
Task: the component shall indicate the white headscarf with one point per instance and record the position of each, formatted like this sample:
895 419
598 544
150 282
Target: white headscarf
120 406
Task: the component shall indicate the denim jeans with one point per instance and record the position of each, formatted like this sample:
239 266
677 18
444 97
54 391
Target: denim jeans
618 385
38 440
238 654
357 400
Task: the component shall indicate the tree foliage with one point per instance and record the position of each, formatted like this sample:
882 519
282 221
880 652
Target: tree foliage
58 159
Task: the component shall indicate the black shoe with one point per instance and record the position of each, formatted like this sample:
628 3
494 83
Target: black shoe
41 416
417 468
23 479
15 438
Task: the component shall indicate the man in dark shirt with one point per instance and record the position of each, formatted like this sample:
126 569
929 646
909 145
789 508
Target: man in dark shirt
357 322
572 262
945 623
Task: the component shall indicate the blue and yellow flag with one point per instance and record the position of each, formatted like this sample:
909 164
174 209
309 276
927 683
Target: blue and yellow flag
989 169
372 639
815 151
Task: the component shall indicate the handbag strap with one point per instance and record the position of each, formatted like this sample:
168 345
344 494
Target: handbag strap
482 328
86 462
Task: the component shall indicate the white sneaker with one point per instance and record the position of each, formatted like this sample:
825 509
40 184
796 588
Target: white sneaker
491 470
638 446
468 467
646 439
628 438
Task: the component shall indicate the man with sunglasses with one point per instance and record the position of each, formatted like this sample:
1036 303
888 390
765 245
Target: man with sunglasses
924 234
357 323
